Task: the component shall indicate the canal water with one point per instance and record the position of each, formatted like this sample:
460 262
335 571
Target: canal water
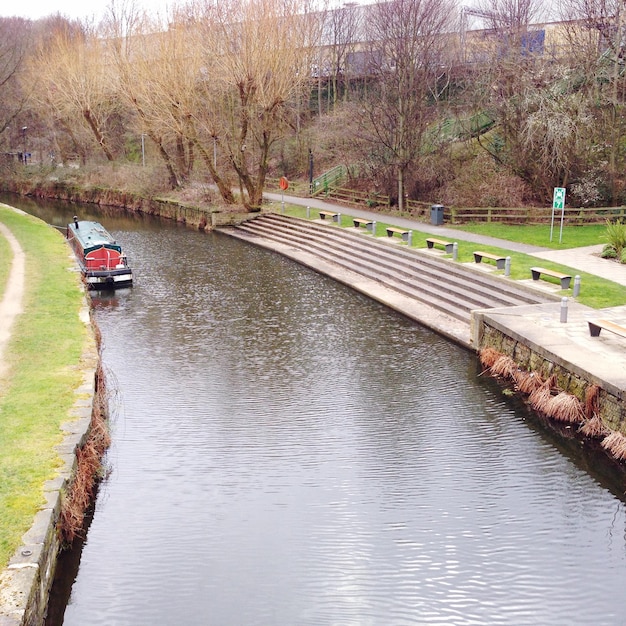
286 451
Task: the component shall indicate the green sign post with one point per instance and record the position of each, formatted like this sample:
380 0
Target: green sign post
558 202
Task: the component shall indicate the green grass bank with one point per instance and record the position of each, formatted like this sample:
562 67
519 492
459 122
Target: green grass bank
43 358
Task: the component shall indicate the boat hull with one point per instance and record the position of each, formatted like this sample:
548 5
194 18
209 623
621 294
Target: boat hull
101 260
111 279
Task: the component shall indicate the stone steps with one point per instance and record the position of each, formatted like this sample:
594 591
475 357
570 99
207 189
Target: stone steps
450 287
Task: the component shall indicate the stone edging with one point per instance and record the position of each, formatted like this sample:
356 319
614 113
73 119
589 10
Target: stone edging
25 583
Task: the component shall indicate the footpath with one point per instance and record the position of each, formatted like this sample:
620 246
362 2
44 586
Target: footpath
11 303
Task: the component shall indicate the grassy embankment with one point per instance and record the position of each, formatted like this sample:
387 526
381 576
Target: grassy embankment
595 292
43 354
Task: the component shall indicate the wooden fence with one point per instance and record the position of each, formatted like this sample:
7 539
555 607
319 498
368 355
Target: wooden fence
533 215
455 215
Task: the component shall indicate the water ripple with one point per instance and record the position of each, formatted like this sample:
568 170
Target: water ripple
291 453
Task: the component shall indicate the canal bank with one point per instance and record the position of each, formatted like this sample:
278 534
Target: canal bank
80 433
546 340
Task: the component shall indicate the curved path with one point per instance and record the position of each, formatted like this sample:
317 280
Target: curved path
11 303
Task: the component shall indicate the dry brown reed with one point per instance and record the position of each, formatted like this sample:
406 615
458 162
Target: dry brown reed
615 443
591 401
80 492
488 356
527 382
594 428
541 396
505 367
564 407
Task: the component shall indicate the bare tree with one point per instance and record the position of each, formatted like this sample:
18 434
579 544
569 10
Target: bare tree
407 48
540 124
15 38
75 82
134 52
344 26
511 16
595 33
259 52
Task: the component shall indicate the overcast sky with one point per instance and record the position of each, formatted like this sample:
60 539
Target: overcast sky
35 9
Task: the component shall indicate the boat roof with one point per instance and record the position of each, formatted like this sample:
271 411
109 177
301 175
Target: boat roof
93 235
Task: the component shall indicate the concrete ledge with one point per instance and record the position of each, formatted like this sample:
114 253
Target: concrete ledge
535 338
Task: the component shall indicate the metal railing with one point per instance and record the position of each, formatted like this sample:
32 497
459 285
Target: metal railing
328 179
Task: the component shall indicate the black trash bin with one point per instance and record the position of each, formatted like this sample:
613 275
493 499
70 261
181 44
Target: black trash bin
436 214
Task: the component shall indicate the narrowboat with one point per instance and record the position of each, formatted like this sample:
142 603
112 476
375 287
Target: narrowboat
101 260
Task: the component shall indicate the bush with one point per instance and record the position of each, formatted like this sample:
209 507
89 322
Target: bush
480 182
616 236
608 252
622 258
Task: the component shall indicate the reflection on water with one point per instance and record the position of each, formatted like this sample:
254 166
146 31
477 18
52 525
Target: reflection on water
288 452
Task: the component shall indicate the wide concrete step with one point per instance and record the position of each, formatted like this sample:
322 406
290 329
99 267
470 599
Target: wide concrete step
439 283
425 269
449 302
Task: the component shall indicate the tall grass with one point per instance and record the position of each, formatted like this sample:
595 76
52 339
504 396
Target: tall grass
616 236
37 393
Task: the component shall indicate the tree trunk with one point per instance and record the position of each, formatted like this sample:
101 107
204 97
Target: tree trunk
97 134
400 189
224 189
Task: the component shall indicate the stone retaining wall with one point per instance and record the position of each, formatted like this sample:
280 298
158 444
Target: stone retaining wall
610 401
197 216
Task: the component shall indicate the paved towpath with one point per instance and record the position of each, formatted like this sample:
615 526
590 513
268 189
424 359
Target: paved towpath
11 303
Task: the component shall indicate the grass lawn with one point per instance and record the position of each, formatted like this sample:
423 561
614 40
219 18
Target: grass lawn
595 292
539 234
43 354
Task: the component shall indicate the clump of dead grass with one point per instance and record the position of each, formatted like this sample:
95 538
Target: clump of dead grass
594 428
539 398
565 407
81 490
488 356
591 401
615 443
505 367
527 382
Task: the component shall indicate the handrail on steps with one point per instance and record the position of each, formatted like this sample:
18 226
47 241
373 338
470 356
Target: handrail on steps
322 183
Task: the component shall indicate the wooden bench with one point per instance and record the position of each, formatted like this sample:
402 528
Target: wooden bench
500 260
448 245
329 214
359 221
564 278
595 326
405 234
